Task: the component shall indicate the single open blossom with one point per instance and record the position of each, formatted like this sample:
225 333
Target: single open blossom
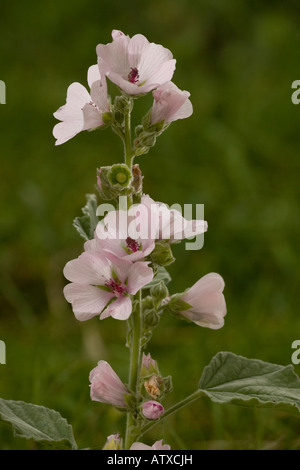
152 409
134 64
171 225
208 307
102 285
158 445
106 386
124 233
83 110
170 103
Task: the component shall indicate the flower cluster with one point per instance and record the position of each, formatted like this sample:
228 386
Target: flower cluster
137 67
121 272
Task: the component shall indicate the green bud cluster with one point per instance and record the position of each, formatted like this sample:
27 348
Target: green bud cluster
162 253
114 181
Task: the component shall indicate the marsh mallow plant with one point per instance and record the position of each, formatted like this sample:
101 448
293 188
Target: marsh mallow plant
122 270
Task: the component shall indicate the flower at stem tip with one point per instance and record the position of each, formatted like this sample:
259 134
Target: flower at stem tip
106 386
134 64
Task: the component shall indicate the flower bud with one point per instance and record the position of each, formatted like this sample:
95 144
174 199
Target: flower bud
123 104
162 253
149 366
152 409
159 292
203 304
113 442
106 386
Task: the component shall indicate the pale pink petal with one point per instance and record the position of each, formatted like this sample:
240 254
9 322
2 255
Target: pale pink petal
147 57
161 75
158 445
152 409
208 306
64 131
77 97
113 56
168 103
92 117
99 95
140 274
87 301
88 268
185 111
106 386
120 309
140 446
93 74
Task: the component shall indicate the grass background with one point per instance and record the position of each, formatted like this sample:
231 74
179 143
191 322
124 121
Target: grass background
238 154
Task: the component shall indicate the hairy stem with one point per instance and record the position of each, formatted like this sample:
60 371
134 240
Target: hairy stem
134 368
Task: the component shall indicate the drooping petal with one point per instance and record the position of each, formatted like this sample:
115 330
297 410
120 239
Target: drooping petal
64 131
77 97
120 309
93 75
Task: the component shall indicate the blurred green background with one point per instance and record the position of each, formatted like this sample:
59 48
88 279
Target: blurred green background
238 154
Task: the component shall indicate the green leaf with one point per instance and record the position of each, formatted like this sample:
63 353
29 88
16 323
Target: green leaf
39 423
229 378
162 275
86 224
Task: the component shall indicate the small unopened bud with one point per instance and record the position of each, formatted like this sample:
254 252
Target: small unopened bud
113 442
152 409
124 104
151 319
107 118
147 139
162 253
159 292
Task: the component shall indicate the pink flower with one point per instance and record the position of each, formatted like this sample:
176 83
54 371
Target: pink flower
106 386
124 233
134 64
170 104
102 285
171 225
152 409
208 307
158 445
82 110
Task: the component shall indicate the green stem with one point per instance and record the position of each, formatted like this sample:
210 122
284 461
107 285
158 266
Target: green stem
193 397
127 141
134 368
